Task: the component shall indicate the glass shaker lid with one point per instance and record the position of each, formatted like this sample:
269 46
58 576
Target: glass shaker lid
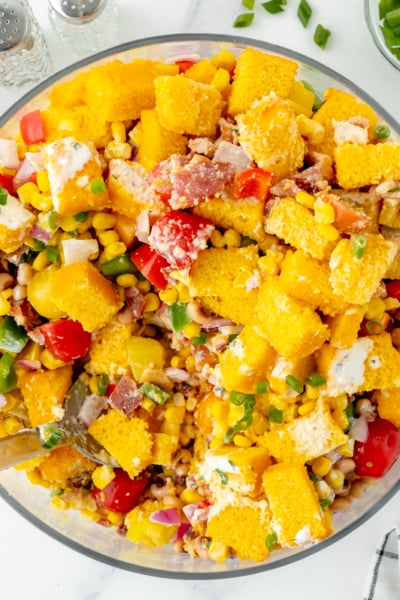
14 24
78 10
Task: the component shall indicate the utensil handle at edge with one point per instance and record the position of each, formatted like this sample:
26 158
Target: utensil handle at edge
21 446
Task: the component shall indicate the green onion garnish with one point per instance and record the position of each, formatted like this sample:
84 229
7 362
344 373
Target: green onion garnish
324 503
245 241
360 243
244 20
262 387
81 217
275 415
315 380
155 393
52 435
321 36
274 6
372 325
199 340
382 132
243 423
294 383
3 196
249 4
98 186
102 383
238 398
224 477
304 12
270 541
52 254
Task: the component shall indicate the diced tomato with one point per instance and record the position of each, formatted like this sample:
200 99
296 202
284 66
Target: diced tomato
393 289
6 182
376 455
180 237
32 128
66 339
122 493
253 182
184 65
151 264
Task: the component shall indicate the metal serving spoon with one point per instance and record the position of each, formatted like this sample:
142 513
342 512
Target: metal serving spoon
30 443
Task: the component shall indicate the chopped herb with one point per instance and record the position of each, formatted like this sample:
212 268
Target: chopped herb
37 245
52 254
81 217
244 20
324 503
374 327
274 6
231 338
321 36
224 477
249 4
238 398
178 316
315 380
382 132
304 12
294 383
395 189
312 476
243 423
51 436
262 387
245 240
360 243
3 196
98 186
56 492
199 340
155 393
102 383
270 541
275 415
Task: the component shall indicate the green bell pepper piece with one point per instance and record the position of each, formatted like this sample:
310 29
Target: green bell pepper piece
13 337
8 378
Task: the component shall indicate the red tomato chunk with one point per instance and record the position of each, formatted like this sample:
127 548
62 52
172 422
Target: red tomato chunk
32 128
66 339
376 455
253 182
122 493
151 264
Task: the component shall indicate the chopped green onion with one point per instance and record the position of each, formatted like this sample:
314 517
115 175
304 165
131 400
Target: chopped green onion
315 380
38 245
238 398
244 20
294 383
98 186
349 411
371 325
52 254
274 6
117 266
262 387
392 19
386 6
102 383
53 220
224 477
275 415
51 436
243 423
199 340
245 241
360 243
382 132
231 338
155 393
321 36
304 12
270 541
249 4
395 189
312 476
3 196
324 503
178 315
81 217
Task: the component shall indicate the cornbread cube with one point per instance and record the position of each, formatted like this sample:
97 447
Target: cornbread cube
247 360
72 167
127 440
187 106
357 279
203 71
16 221
345 326
294 505
119 91
62 464
304 438
295 224
298 367
81 291
274 73
44 393
108 350
269 133
225 281
340 106
371 363
68 93
290 326
237 469
79 122
360 165
242 524
140 527
164 447
129 192
307 279
157 143
388 403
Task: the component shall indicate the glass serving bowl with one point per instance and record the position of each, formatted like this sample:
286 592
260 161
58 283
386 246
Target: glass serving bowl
70 527
371 12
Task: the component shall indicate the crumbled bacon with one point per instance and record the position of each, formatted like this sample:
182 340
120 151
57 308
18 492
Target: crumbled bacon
134 303
24 314
126 397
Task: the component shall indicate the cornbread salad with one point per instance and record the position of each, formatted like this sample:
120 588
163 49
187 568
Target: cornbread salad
216 256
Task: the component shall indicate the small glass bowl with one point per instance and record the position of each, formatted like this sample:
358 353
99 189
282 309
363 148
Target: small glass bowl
371 12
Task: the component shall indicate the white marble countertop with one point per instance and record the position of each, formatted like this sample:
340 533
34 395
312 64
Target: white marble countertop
32 564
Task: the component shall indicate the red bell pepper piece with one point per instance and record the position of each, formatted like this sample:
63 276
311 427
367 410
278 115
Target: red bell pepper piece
32 128
151 264
393 289
253 182
376 455
185 64
122 493
6 182
66 339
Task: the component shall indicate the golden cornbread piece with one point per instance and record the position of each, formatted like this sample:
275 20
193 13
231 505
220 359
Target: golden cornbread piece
295 224
81 291
64 463
44 393
359 165
156 143
75 176
340 106
109 351
242 524
119 91
304 438
68 93
127 440
186 106
79 122
16 222
294 505
388 403
345 326
256 75
269 133
298 367
246 361
290 326
371 363
357 279
129 191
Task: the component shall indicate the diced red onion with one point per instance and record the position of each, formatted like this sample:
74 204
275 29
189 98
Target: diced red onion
91 408
32 365
167 516
9 158
359 429
182 529
40 234
196 513
24 173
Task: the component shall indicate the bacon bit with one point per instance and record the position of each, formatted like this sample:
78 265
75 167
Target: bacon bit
347 218
126 397
317 176
24 314
135 303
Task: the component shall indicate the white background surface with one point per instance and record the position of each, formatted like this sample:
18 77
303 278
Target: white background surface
32 564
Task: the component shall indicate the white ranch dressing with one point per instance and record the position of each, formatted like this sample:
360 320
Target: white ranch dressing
68 157
346 373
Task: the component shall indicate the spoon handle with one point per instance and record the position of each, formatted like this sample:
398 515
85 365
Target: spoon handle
21 446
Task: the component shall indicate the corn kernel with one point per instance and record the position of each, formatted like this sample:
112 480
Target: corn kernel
177 361
305 199
224 59
183 292
321 466
334 478
190 496
49 361
148 405
347 449
174 414
327 231
94 385
114 517
11 399
221 79
118 150
152 302
102 476
192 330
7 293
114 249
290 413
40 262
103 220
42 180
306 408
312 393
12 425
169 295
232 238
217 239
190 364
126 280
67 222
218 551
42 201
391 303
143 286
4 306
26 192
375 308
312 130
185 352
90 514
241 441
323 489
277 400
108 237
118 131
323 212
184 438
340 418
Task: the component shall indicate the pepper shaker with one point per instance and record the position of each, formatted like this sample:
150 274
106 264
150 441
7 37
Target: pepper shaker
24 55
85 26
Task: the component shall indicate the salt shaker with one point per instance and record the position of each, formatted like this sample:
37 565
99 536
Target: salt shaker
84 26
24 55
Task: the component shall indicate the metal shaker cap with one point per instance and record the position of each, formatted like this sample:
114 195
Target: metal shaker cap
78 11
14 25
